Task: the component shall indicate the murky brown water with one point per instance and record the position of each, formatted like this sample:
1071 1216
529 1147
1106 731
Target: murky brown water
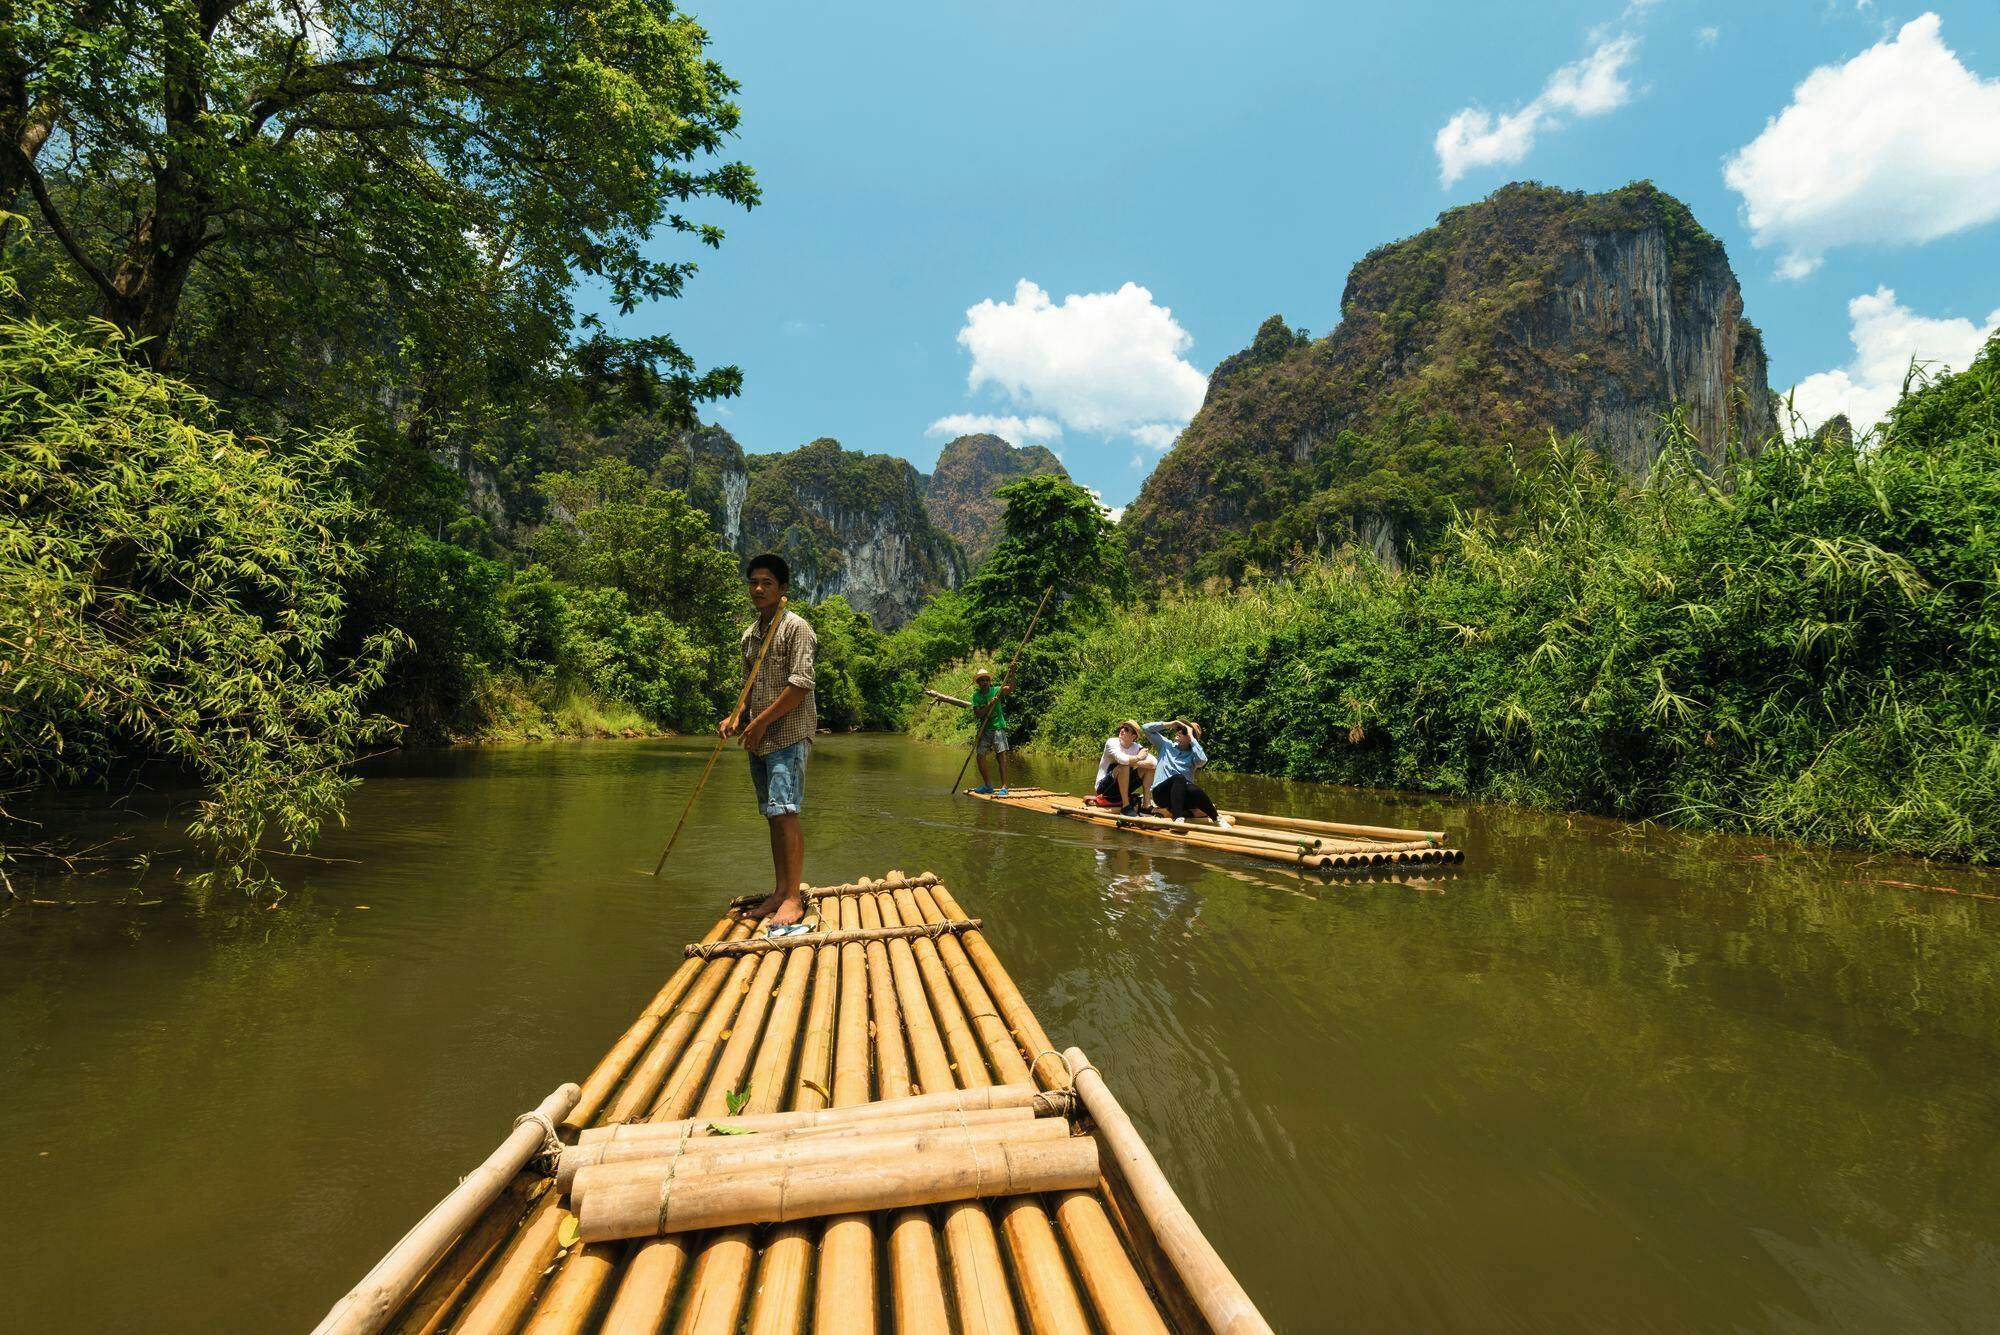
1596 1080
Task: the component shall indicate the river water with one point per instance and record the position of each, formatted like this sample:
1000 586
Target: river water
1597 1079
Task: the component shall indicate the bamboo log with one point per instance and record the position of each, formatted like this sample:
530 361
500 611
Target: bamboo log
805 940
1050 1299
864 886
649 1074
844 1297
451 1278
947 699
810 1150
688 1081
1112 1283
1223 1302
1339 827
579 1159
499 1303
615 1064
368 1306
758 1196
979 1278
778 1304
1277 838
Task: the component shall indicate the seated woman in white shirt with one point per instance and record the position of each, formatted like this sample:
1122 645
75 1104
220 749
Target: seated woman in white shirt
1125 770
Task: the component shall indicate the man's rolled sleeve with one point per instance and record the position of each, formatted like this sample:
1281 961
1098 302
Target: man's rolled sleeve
799 672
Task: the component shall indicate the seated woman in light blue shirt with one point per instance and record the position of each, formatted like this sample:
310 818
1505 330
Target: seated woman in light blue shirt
1178 747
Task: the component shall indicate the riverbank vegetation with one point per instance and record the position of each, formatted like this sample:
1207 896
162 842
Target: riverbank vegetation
1804 645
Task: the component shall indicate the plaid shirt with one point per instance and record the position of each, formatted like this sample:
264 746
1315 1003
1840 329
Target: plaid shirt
790 663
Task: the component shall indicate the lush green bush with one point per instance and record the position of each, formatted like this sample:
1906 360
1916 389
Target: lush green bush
1806 646
172 591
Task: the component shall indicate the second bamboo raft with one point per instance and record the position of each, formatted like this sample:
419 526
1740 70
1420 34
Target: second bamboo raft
1310 845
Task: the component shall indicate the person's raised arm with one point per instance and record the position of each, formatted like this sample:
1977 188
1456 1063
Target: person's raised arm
1158 732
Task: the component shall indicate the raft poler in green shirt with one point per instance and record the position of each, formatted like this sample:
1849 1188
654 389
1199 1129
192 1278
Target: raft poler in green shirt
990 710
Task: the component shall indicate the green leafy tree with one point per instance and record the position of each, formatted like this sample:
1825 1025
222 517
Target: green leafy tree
175 591
436 147
1056 536
609 529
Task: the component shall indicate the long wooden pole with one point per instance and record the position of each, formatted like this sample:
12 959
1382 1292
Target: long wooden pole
980 733
742 702
1390 832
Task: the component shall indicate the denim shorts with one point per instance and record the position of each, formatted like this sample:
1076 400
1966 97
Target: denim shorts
781 779
993 740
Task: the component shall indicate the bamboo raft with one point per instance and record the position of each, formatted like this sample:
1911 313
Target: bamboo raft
1311 845
860 1128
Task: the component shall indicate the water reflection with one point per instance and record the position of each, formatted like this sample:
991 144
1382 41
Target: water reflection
1598 1077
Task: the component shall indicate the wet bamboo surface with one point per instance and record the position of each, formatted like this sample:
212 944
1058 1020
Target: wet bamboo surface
866 1016
1304 844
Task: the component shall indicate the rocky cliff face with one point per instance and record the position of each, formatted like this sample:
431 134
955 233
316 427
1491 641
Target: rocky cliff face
709 466
1531 312
850 524
959 494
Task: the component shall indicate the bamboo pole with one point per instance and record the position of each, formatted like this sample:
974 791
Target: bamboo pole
1339 827
779 1302
1020 1095
367 1307
452 1278
614 1065
1227 1308
643 1083
742 703
499 1303
862 887
1277 838
760 1196
947 699
1116 1292
844 1297
806 940
917 1293
1050 1299
808 1151
979 1280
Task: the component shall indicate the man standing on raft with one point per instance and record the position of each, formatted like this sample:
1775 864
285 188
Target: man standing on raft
777 727
989 711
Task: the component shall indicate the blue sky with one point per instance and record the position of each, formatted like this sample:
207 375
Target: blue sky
919 160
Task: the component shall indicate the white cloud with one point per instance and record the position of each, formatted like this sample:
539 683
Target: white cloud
1887 337
1593 86
1105 363
1157 435
1899 146
1016 430
1708 36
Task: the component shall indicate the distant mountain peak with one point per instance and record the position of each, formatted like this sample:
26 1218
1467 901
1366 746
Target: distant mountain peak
959 492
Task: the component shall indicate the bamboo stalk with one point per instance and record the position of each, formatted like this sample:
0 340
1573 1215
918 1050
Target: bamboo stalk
762 1195
807 940
979 1281
844 1297
1049 1297
1227 1308
615 1064
779 1302
1276 838
1339 827
367 1307
947 699
916 1287
864 886
500 1302
809 1151
1116 1292
687 1082
450 1279
642 1086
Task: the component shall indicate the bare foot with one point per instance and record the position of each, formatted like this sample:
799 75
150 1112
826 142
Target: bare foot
790 909
764 907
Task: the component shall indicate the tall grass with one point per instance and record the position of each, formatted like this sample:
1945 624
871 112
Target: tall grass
1806 645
